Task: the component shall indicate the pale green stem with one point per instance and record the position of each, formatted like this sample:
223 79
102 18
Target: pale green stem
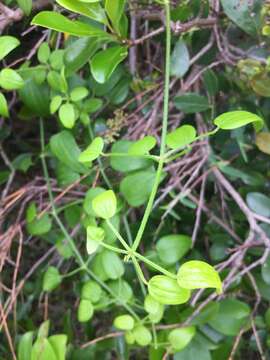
118 235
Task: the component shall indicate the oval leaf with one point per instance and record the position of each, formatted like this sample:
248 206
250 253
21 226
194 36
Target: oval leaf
182 136
7 44
124 322
236 119
180 338
171 248
142 146
93 150
95 235
104 205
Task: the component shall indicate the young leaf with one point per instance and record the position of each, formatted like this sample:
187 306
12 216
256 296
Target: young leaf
115 10
154 309
93 11
91 291
26 6
7 44
95 235
112 265
180 59
51 279
142 146
236 119
191 103
93 150
67 115
167 291
3 106
124 322
42 346
10 79
25 346
55 21
171 248
40 226
180 338
104 205
90 195
85 311
79 93
101 68
198 275
182 136
142 335
44 53
59 345
55 103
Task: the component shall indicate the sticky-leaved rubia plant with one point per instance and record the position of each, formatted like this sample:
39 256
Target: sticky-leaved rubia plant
103 259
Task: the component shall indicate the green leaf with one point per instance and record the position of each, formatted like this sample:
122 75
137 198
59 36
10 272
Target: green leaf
57 82
40 226
210 81
198 275
112 264
180 338
196 349
91 291
142 335
115 10
181 137
142 146
55 103
171 248
263 142
259 203
127 164
233 315
260 83
52 279
137 187
167 291
44 53
236 119
90 195
191 103
124 322
59 345
58 22
64 147
179 59
42 350
93 11
3 106
79 93
265 271
245 14
23 162
121 289
95 235
92 105
101 68
10 79
25 346
67 115
104 205
85 311
154 309
26 6
93 151
7 44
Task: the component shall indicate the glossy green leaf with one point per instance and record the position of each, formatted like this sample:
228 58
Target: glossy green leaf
85 311
167 290
259 203
236 119
142 335
79 93
191 103
233 315
43 350
137 187
59 345
142 146
58 22
10 79
55 103
90 195
101 68
91 291
182 136
114 10
179 59
26 6
93 151
198 275
154 309
93 11
171 248
180 338
124 322
104 205
44 53
127 164
67 115
64 147
112 264
25 346
95 235
245 14
7 44
3 106
52 279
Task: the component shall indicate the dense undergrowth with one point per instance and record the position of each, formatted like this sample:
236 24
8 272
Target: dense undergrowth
135 207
